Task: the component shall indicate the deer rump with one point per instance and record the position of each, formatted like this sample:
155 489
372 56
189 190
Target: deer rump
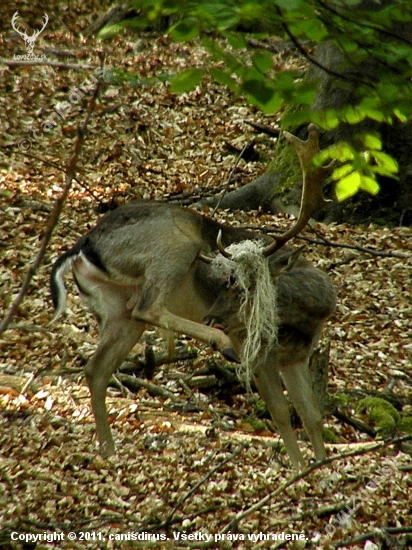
140 266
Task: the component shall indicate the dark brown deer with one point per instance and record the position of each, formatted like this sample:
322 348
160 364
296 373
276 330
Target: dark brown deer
150 264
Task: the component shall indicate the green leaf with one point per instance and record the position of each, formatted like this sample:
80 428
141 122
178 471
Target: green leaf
232 64
385 161
328 120
348 186
369 184
217 15
109 31
223 78
256 88
311 28
340 151
372 141
185 30
399 115
250 12
262 61
341 171
236 40
262 95
352 115
186 81
296 118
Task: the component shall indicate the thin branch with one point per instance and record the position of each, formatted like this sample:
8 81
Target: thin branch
301 475
367 250
315 62
58 167
233 524
230 178
321 240
153 389
361 23
57 64
55 214
195 487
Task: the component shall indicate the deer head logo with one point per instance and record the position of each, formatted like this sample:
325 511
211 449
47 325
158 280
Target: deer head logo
30 40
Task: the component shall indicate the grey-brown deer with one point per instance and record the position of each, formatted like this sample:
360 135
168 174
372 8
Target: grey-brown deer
151 264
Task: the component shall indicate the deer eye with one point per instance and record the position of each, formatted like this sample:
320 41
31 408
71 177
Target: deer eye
228 282
231 280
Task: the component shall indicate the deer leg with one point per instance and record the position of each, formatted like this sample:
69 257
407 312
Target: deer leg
299 386
269 384
117 338
159 316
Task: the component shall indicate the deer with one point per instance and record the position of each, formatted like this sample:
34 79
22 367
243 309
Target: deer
155 264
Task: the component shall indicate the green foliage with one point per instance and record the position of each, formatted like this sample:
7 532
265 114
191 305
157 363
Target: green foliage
361 35
185 81
358 170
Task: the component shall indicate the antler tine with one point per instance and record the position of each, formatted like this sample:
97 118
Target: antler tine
46 20
13 23
313 178
220 246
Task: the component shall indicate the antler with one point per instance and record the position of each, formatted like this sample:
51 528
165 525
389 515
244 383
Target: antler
46 20
313 179
13 21
24 34
312 199
220 247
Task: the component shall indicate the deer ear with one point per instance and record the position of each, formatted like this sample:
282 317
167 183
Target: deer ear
285 262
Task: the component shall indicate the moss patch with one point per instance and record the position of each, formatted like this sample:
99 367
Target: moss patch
381 414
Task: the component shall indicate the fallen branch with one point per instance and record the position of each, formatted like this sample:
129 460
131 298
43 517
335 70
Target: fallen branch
136 383
232 525
354 422
58 64
376 534
264 128
367 250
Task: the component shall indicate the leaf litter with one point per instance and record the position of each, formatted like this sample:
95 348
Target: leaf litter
151 144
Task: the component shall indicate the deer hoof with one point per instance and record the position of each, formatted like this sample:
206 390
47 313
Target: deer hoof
230 355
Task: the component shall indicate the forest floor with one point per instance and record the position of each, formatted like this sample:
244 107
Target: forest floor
192 469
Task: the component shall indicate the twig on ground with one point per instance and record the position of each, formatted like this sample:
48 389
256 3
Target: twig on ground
153 389
354 422
58 64
233 455
301 475
377 533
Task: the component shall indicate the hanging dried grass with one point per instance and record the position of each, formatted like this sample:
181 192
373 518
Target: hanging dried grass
258 303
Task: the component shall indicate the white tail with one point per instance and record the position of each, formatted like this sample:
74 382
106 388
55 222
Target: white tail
151 264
